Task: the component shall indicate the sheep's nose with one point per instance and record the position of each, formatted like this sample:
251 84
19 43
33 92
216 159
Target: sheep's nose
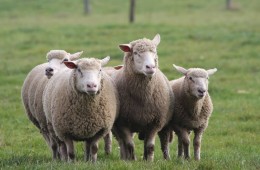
49 69
91 85
150 66
202 91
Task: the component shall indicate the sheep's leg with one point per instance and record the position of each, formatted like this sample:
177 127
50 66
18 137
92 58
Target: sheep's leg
197 143
93 151
186 143
120 143
54 147
91 146
180 147
128 143
53 142
108 143
87 151
63 151
165 135
149 142
70 150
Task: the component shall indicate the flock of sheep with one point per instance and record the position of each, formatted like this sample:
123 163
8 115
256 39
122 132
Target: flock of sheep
81 100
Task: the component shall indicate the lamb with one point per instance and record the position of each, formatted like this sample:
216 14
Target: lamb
192 109
145 97
34 85
81 104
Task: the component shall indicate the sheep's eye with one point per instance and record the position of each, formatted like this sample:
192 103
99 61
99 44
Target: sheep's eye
135 53
65 59
190 78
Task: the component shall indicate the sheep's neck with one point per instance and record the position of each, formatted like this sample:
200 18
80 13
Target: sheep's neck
139 85
192 105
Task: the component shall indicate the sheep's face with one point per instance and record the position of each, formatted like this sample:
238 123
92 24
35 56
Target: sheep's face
196 80
56 64
145 62
143 54
88 74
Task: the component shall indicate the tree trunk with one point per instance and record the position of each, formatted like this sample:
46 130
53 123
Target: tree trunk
132 11
229 4
87 7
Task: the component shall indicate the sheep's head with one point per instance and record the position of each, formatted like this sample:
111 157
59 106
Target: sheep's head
56 60
88 74
196 80
143 53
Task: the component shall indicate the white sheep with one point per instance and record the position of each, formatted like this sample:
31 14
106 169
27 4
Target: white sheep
34 85
145 97
192 109
81 104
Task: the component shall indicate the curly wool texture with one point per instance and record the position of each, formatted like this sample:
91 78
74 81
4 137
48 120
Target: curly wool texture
189 113
76 115
145 103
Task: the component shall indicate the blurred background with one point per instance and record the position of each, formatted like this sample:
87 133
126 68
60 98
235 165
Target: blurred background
219 33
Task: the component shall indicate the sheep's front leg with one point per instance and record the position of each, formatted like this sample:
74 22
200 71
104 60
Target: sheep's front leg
70 150
180 146
197 143
128 143
63 151
87 151
165 139
185 139
120 141
108 143
93 151
149 142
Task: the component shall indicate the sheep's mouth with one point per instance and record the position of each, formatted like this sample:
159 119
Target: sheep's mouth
200 96
91 92
48 74
149 73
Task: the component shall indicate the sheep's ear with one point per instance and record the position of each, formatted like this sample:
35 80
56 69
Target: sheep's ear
70 64
180 69
75 56
211 71
125 47
156 40
118 67
104 61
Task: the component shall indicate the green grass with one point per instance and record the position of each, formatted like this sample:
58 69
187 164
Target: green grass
193 34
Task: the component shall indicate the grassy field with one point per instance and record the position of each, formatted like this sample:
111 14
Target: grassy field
193 34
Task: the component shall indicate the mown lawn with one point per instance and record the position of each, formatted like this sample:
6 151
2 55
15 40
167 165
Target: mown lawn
193 34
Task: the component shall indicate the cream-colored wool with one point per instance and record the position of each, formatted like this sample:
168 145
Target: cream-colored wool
192 109
32 92
145 101
76 115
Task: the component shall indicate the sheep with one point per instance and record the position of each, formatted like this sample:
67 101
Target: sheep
34 85
145 97
192 109
81 104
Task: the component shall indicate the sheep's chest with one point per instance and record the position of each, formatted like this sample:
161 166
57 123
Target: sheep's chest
138 114
83 120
